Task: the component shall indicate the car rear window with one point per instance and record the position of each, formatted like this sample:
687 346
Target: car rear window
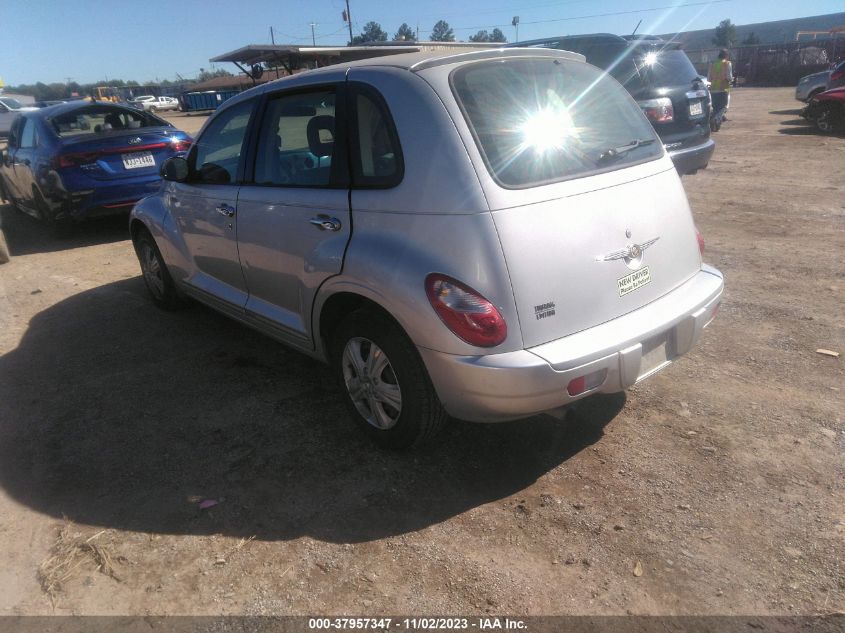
545 120
103 120
654 69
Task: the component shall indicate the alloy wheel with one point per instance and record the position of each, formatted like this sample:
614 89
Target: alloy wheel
151 268
371 383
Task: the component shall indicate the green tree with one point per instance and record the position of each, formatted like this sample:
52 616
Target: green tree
498 36
725 34
372 32
442 32
405 33
205 75
751 39
481 36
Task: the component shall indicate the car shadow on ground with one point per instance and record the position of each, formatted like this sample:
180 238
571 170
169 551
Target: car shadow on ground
116 414
807 129
794 112
26 235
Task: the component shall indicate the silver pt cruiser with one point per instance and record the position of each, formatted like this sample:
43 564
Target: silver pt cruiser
486 235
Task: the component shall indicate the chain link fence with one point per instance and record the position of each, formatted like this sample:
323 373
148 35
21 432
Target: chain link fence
775 64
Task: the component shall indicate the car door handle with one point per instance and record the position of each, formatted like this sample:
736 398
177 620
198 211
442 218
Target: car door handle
325 223
225 209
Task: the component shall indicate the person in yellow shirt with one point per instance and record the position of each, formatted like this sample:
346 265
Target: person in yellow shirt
721 77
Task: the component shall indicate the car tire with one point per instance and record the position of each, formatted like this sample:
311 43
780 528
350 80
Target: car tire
157 278
153 109
5 256
825 122
59 228
395 404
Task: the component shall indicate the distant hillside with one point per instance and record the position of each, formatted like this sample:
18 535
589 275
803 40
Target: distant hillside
768 32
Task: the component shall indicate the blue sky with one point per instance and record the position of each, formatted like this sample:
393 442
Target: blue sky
91 40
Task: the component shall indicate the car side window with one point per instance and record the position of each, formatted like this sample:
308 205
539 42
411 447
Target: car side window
14 133
28 134
217 153
297 140
376 155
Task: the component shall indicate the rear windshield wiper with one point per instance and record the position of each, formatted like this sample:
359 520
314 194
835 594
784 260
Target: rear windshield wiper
614 152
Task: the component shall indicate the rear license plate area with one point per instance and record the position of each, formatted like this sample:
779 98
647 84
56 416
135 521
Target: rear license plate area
696 109
138 161
658 351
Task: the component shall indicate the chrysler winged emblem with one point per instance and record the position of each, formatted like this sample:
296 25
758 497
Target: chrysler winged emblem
631 253
134 140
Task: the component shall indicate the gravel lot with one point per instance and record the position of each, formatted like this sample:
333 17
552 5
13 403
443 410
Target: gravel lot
718 486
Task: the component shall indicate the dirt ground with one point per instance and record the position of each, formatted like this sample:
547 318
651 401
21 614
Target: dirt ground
721 479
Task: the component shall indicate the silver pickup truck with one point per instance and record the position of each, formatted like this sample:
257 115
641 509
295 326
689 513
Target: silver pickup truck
154 104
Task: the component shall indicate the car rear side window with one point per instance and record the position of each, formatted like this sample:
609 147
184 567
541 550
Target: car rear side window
216 155
297 140
538 121
377 157
28 134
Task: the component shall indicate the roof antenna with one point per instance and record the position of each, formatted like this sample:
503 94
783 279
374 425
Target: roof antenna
635 29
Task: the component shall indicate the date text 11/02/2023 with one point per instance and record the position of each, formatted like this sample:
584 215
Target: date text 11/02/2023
417 624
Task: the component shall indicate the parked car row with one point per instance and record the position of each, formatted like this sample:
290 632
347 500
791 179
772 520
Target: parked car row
824 94
444 300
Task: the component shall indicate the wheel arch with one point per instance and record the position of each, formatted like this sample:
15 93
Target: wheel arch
332 307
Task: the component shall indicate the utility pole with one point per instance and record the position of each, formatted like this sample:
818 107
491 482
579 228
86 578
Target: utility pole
349 21
313 41
272 36
515 22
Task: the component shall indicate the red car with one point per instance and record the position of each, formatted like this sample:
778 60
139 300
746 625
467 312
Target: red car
827 110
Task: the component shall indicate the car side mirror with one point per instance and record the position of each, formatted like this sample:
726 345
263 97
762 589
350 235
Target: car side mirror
175 169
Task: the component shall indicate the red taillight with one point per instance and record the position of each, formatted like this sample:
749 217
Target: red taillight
837 75
465 312
74 159
700 239
180 144
658 110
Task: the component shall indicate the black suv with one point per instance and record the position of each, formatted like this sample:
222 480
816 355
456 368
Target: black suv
665 84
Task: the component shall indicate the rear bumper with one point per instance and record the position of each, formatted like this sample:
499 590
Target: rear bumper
690 159
78 201
518 384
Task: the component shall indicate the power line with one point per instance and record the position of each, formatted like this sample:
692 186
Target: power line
596 15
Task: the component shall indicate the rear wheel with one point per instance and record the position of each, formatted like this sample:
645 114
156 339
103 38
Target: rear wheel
5 256
386 386
825 122
157 278
58 227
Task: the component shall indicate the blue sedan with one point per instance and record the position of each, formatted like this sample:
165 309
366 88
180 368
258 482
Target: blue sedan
81 159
